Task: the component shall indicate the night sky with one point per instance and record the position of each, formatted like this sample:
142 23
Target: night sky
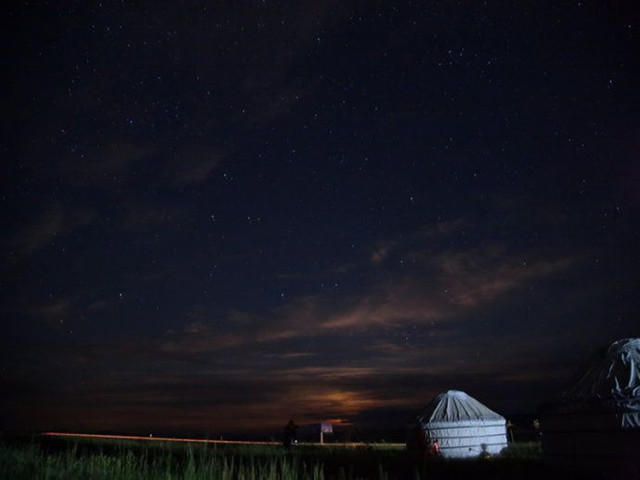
217 216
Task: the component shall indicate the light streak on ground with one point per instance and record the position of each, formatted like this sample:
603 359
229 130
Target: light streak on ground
225 442
157 439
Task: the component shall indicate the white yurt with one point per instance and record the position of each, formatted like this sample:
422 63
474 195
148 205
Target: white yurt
463 427
596 421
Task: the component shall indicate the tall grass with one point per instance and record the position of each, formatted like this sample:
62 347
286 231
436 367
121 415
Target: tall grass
34 462
57 459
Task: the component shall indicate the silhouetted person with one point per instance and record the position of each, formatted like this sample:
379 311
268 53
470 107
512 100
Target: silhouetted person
484 454
435 447
289 434
431 449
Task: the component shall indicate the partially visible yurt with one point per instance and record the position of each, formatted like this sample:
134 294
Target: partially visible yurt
596 421
462 426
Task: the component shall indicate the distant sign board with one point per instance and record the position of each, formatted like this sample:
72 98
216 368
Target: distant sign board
326 427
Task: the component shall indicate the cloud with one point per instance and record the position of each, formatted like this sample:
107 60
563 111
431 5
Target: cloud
108 164
481 275
196 172
161 164
52 223
431 234
267 90
382 251
433 302
191 375
448 286
445 228
192 165
270 105
439 289
141 218
54 313
388 305
263 395
331 272
204 340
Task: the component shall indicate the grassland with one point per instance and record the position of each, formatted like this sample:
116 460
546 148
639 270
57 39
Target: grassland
66 459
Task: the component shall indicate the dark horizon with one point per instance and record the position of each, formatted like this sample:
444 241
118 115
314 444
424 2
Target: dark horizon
219 217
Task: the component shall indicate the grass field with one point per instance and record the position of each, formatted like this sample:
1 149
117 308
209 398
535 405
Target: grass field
74 459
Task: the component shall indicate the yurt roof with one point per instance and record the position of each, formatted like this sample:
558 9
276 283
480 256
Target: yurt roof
456 406
612 375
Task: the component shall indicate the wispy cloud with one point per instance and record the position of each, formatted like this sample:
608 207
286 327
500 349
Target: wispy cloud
191 165
54 313
108 164
53 222
425 236
481 275
141 218
442 289
451 284
382 251
331 272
